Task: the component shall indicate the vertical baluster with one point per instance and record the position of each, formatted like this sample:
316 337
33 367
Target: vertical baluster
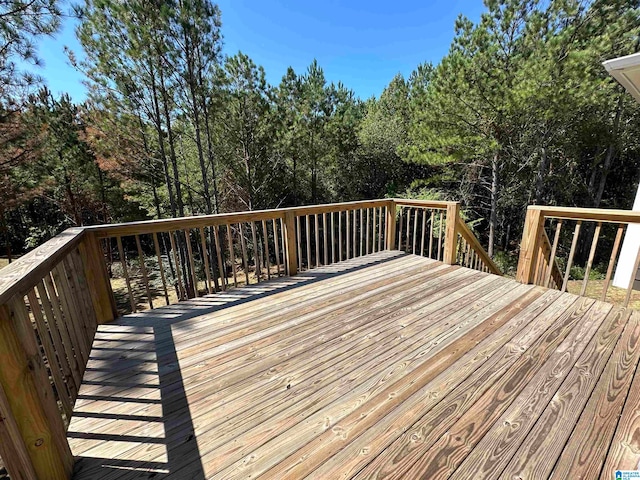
381 220
275 244
554 249
307 229
223 276
316 225
348 233
232 256
299 240
194 275
71 315
325 238
156 246
612 261
339 236
125 270
61 342
632 280
440 238
205 260
143 270
285 267
55 365
333 237
265 235
467 255
400 229
431 234
355 241
256 256
592 253
367 231
243 247
373 230
68 338
415 230
174 250
407 245
576 233
424 226
361 232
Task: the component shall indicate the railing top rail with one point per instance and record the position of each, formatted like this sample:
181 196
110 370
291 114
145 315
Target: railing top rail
26 271
435 204
589 214
164 225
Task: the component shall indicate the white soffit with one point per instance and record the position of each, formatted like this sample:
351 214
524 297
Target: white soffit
626 70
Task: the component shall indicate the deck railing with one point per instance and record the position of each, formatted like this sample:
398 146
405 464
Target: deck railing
53 298
51 301
540 259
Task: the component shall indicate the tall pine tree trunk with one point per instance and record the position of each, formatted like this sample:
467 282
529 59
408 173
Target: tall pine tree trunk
163 153
493 217
191 80
611 149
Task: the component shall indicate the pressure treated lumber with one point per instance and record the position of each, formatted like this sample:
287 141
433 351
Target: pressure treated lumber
360 369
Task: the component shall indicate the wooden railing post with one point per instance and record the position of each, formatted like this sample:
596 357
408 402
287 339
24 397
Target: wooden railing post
95 271
530 245
28 411
290 242
451 233
391 225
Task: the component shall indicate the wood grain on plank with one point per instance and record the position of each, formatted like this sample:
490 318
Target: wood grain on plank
458 434
408 372
345 388
377 426
492 453
586 450
543 444
455 395
624 452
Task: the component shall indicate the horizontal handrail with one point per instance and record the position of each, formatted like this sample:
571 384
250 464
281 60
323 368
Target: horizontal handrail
198 221
608 215
434 204
24 272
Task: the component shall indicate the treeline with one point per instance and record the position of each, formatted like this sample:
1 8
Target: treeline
520 111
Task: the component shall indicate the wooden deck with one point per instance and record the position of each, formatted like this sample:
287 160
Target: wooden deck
384 366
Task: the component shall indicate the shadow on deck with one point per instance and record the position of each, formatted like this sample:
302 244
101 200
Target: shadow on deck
388 365
133 395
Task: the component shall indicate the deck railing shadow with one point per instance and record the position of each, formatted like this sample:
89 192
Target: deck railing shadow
160 407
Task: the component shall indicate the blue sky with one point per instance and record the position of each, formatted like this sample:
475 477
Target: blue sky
362 43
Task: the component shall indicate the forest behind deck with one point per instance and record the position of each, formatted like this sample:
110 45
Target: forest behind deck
383 366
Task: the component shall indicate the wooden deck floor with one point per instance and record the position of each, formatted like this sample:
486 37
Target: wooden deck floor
388 366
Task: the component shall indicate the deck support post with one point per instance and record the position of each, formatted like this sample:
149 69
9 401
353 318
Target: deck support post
95 270
33 443
451 233
530 245
290 242
391 225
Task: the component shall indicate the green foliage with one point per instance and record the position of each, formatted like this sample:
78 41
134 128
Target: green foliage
596 273
21 23
519 111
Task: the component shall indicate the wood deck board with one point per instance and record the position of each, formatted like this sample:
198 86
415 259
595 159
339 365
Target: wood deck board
383 366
